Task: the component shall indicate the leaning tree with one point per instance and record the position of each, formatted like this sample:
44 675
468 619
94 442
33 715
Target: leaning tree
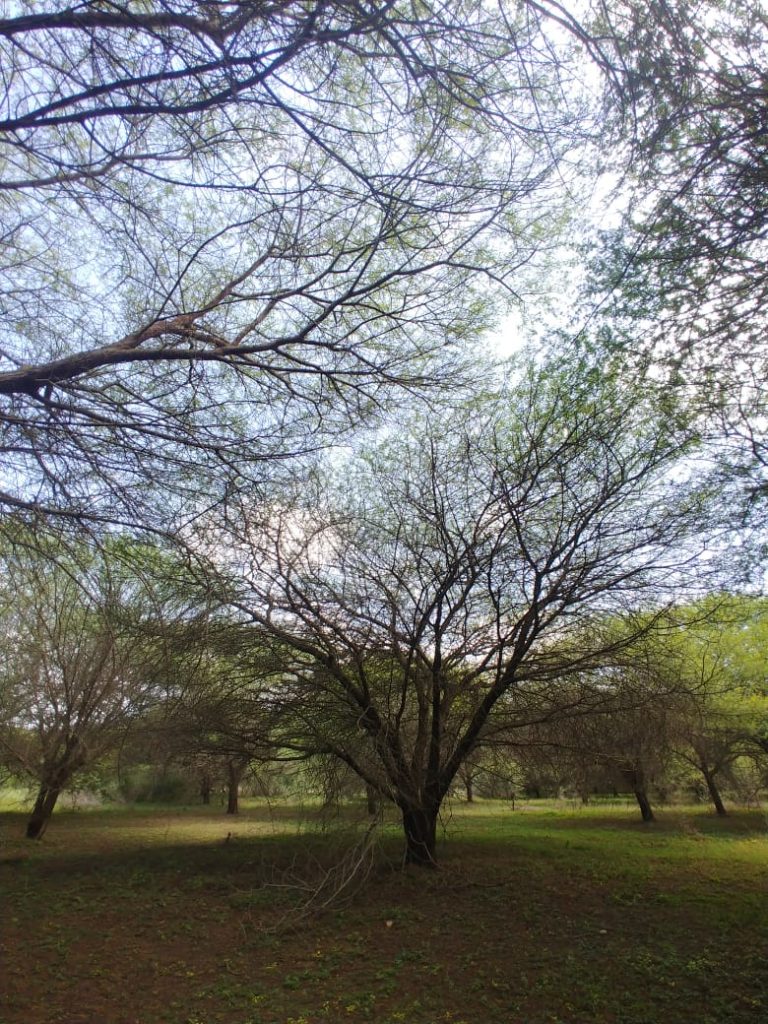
441 580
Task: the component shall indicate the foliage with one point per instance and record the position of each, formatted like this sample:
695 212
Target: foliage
231 229
79 668
682 283
236 233
443 578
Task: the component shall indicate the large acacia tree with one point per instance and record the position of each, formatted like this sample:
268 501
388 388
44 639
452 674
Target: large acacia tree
226 226
441 580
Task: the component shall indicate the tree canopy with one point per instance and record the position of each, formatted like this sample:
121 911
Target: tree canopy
683 279
229 226
422 593
239 235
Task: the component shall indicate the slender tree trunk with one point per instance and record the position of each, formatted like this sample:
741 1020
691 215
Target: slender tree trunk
637 784
644 804
469 789
205 789
371 800
234 774
714 793
42 811
56 775
420 827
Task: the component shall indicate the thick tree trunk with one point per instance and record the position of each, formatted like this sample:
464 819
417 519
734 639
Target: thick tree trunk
42 811
420 826
714 793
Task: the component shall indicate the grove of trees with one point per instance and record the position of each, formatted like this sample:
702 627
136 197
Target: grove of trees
268 492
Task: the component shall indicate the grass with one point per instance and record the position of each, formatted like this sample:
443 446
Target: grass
538 916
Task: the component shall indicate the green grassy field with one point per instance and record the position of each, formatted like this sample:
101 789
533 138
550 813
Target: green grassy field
536 916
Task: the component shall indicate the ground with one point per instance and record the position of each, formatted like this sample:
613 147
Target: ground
536 916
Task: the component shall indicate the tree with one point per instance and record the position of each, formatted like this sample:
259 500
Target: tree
683 281
719 656
447 577
690 692
693 80
77 670
611 724
231 226
216 714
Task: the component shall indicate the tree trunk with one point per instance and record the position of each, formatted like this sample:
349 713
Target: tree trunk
420 826
234 774
205 789
644 804
714 793
371 800
42 811
469 789
636 781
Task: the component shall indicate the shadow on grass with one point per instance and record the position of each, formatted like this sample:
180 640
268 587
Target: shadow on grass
186 850
267 842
